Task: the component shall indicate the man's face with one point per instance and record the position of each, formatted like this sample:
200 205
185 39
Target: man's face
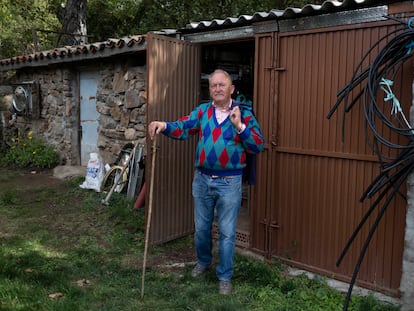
221 89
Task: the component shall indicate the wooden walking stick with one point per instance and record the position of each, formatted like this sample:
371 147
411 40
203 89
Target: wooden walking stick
144 263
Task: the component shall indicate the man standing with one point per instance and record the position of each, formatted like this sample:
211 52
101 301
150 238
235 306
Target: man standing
226 134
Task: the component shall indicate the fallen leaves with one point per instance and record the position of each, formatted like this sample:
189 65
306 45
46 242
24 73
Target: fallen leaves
55 295
83 282
80 283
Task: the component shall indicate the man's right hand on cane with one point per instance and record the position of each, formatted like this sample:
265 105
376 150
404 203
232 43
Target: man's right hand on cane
156 127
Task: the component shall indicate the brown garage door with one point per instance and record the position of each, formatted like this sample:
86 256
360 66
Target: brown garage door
310 183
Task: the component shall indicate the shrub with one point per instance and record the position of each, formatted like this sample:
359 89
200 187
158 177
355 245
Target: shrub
30 152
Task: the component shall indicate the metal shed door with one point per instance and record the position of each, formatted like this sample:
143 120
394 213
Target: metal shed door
312 206
88 114
173 91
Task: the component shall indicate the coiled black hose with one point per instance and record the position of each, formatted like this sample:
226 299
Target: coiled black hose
394 169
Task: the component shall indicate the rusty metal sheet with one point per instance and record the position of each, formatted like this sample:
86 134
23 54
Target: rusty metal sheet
309 181
173 91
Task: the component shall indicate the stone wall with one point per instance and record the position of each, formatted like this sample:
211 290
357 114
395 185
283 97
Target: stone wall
58 114
120 101
407 279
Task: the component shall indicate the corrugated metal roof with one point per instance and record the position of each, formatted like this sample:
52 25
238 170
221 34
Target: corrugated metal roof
76 53
329 6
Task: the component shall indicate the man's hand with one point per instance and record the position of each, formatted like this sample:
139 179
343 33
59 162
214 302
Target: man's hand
235 118
156 127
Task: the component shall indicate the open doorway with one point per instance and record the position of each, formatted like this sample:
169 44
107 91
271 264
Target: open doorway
237 58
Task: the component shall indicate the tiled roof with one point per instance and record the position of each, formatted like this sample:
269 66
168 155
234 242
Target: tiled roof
76 53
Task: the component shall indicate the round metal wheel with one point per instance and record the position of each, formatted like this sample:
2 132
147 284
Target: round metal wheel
110 178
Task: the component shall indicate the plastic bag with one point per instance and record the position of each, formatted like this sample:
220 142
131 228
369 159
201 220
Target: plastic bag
94 173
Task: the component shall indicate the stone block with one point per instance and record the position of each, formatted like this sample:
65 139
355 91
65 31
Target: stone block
130 134
119 84
107 122
139 85
102 108
116 113
124 121
132 99
143 96
113 134
134 115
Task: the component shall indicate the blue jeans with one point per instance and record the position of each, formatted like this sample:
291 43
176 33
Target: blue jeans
224 195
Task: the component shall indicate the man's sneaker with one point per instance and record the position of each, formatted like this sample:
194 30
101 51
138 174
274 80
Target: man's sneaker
225 287
198 271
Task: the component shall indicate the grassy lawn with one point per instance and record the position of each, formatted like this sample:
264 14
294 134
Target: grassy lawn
60 249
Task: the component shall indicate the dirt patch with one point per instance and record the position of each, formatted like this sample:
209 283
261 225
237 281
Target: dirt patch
24 179
35 178
171 259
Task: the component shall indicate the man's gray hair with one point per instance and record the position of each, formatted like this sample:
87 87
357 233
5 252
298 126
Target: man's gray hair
220 71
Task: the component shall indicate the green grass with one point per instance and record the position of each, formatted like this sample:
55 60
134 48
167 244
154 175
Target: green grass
60 249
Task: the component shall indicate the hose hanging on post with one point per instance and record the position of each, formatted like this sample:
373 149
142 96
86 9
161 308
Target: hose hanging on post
379 75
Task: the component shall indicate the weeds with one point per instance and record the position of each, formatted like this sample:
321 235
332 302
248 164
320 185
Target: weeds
30 152
60 249
8 197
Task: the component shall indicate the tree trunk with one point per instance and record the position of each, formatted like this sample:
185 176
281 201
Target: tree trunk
73 20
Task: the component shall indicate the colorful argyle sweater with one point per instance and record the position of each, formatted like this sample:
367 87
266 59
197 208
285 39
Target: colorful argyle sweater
220 150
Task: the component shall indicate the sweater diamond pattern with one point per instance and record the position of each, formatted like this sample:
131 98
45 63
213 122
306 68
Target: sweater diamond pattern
206 132
210 113
212 158
202 157
220 147
229 135
235 159
224 158
176 133
216 134
190 124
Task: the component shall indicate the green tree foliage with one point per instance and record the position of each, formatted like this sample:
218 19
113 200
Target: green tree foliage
112 18
18 19
115 18
159 14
